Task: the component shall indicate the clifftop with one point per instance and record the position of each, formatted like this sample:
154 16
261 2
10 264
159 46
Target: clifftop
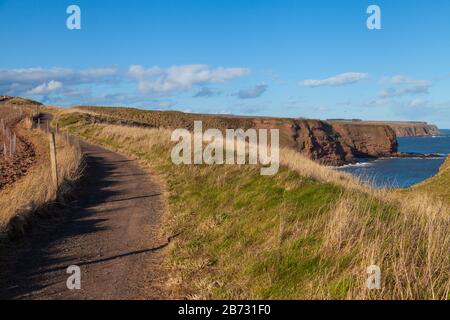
331 143
411 129
438 185
401 128
18 101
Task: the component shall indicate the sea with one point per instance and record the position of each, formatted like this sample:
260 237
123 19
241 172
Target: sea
404 172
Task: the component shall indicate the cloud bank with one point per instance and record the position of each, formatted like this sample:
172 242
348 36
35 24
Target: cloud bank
45 88
181 78
337 80
205 92
41 81
252 93
403 85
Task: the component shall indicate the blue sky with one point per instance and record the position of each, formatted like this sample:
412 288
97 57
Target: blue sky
311 58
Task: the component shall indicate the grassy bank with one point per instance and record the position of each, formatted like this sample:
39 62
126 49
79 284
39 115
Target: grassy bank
307 232
439 185
19 201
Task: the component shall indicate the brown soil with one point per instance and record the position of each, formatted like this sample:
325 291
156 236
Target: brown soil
15 167
111 231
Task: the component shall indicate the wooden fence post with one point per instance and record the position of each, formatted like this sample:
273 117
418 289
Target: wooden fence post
54 165
14 143
10 144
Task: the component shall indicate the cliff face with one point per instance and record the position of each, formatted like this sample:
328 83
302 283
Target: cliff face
414 129
341 143
329 142
401 128
333 143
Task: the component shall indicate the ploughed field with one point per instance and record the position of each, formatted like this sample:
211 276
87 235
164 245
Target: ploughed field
16 153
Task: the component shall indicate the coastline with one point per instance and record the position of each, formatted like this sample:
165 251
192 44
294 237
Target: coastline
438 185
405 169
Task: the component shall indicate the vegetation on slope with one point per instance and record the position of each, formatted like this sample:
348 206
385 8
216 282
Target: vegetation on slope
439 185
166 119
308 232
20 200
332 144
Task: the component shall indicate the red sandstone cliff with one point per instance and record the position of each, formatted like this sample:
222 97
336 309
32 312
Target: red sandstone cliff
339 143
401 128
330 142
412 129
334 143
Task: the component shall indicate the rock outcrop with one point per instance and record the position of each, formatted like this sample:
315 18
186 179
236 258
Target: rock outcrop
329 142
342 143
333 143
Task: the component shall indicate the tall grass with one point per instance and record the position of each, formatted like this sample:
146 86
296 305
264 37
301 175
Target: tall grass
308 232
19 201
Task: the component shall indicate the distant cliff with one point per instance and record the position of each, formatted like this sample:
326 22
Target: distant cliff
411 129
329 142
401 128
334 143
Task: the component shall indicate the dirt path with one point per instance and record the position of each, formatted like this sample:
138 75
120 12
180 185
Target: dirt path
111 232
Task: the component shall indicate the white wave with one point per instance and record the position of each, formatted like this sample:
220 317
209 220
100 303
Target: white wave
355 165
422 158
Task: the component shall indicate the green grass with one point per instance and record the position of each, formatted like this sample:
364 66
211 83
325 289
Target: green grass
243 235
439 185
226 213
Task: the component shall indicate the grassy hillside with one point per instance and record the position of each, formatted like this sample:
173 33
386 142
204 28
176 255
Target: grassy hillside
35 189
168 119
439 185
307 232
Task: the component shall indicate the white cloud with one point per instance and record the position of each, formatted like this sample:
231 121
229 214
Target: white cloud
99 72
149 80
403 80
179 78
47 87
252 93
39 75
206 92
404 86
20 81
392 92
417 103
379 103
337 80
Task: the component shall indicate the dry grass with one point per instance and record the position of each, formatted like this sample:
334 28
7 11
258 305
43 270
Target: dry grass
408 241
314 239
164 119
36 189
438 186
299 163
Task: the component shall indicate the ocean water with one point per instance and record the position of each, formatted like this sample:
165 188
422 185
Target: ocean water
404 172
